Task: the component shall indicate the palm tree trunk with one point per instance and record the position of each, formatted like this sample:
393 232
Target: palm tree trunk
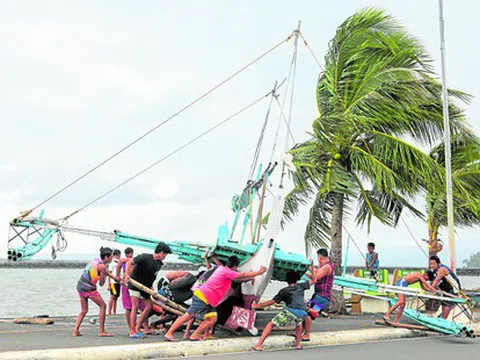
336 232
337 304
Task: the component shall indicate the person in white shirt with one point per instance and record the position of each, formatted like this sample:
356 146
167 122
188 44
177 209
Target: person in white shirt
113 286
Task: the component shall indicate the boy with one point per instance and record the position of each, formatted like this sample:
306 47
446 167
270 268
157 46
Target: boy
113 286
371 260
144 269
294 312
209 295
404 282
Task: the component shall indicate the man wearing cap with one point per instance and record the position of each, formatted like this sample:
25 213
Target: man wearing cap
144 269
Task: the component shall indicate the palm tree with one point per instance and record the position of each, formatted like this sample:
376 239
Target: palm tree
375 95
465 149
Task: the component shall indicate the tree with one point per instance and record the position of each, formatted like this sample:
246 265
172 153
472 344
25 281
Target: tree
465 148
375 94
473 261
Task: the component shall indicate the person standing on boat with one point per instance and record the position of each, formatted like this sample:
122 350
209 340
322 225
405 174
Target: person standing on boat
371 260
444 280
95 272
144 269
323 280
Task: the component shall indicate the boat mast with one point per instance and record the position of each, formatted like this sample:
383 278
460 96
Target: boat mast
448 164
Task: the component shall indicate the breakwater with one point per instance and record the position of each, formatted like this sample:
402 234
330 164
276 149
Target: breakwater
78 264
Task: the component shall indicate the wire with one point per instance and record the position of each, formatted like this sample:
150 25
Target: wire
285 121
354 242
58 192
167 156
311 51
413 237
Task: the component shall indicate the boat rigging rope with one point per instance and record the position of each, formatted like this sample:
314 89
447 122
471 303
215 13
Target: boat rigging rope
156 127
354 242
413 237
262 133
167 156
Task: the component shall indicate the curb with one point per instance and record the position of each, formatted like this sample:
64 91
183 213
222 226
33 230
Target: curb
221 346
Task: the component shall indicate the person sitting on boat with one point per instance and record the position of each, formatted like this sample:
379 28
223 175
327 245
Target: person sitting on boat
445 280
143 269
95 272
209 295
323 280
371 260
294 312
405 282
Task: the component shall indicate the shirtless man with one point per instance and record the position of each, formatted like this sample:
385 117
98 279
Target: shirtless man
404 282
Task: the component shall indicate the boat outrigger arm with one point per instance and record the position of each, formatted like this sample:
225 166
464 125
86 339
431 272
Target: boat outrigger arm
36 233
370 287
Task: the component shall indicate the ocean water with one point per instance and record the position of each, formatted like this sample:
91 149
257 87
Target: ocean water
32 292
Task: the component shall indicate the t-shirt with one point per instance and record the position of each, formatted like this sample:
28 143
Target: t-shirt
216 287
112 267
146 269
293 296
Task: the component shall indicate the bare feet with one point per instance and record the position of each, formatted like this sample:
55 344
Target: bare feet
298 347
387 319
77 333
105 334
170 337
186 336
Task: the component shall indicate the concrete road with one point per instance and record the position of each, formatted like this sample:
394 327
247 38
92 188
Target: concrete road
434 348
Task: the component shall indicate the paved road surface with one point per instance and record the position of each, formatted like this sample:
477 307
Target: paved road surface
436 348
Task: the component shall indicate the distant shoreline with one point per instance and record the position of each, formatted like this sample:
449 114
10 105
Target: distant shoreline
78 264
74 264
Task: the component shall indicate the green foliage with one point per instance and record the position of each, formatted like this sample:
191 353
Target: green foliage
473 261
377 98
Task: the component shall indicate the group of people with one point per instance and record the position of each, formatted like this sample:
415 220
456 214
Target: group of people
208 291
438 279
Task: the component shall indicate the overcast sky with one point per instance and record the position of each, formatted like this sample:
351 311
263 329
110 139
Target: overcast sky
81 79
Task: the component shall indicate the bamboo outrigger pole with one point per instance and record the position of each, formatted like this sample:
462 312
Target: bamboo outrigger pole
448 164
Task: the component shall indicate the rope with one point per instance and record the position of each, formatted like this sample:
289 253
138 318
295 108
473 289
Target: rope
413 237
285 121
311 52
256 155
245 67
354 243
167 156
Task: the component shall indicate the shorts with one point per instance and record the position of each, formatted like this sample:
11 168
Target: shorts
114 289
286 317
137 292
401 283
127 302
200 309
316 304
89 294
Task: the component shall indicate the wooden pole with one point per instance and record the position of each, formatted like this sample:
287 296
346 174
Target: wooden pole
404 326
260 210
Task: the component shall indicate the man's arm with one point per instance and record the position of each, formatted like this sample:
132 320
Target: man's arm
249 274
205 258
216 261
119 266
175 275
325 270
263 304
442 272
129 269
426 286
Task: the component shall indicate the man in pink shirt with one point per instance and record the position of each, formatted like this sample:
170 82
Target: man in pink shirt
209 295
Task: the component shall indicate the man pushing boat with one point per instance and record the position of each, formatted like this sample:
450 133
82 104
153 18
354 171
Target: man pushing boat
407 280
445 280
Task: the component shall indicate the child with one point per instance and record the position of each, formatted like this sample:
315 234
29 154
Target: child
371 260
209 295
404 282
294 311
113 286
95 271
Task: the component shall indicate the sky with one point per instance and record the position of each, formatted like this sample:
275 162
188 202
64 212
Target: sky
81 79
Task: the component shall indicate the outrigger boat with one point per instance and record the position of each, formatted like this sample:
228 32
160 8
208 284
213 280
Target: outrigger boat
31 234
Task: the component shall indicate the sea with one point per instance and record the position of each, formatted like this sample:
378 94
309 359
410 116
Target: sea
37 292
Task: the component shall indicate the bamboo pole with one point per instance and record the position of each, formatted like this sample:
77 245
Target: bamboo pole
260 211
404 326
